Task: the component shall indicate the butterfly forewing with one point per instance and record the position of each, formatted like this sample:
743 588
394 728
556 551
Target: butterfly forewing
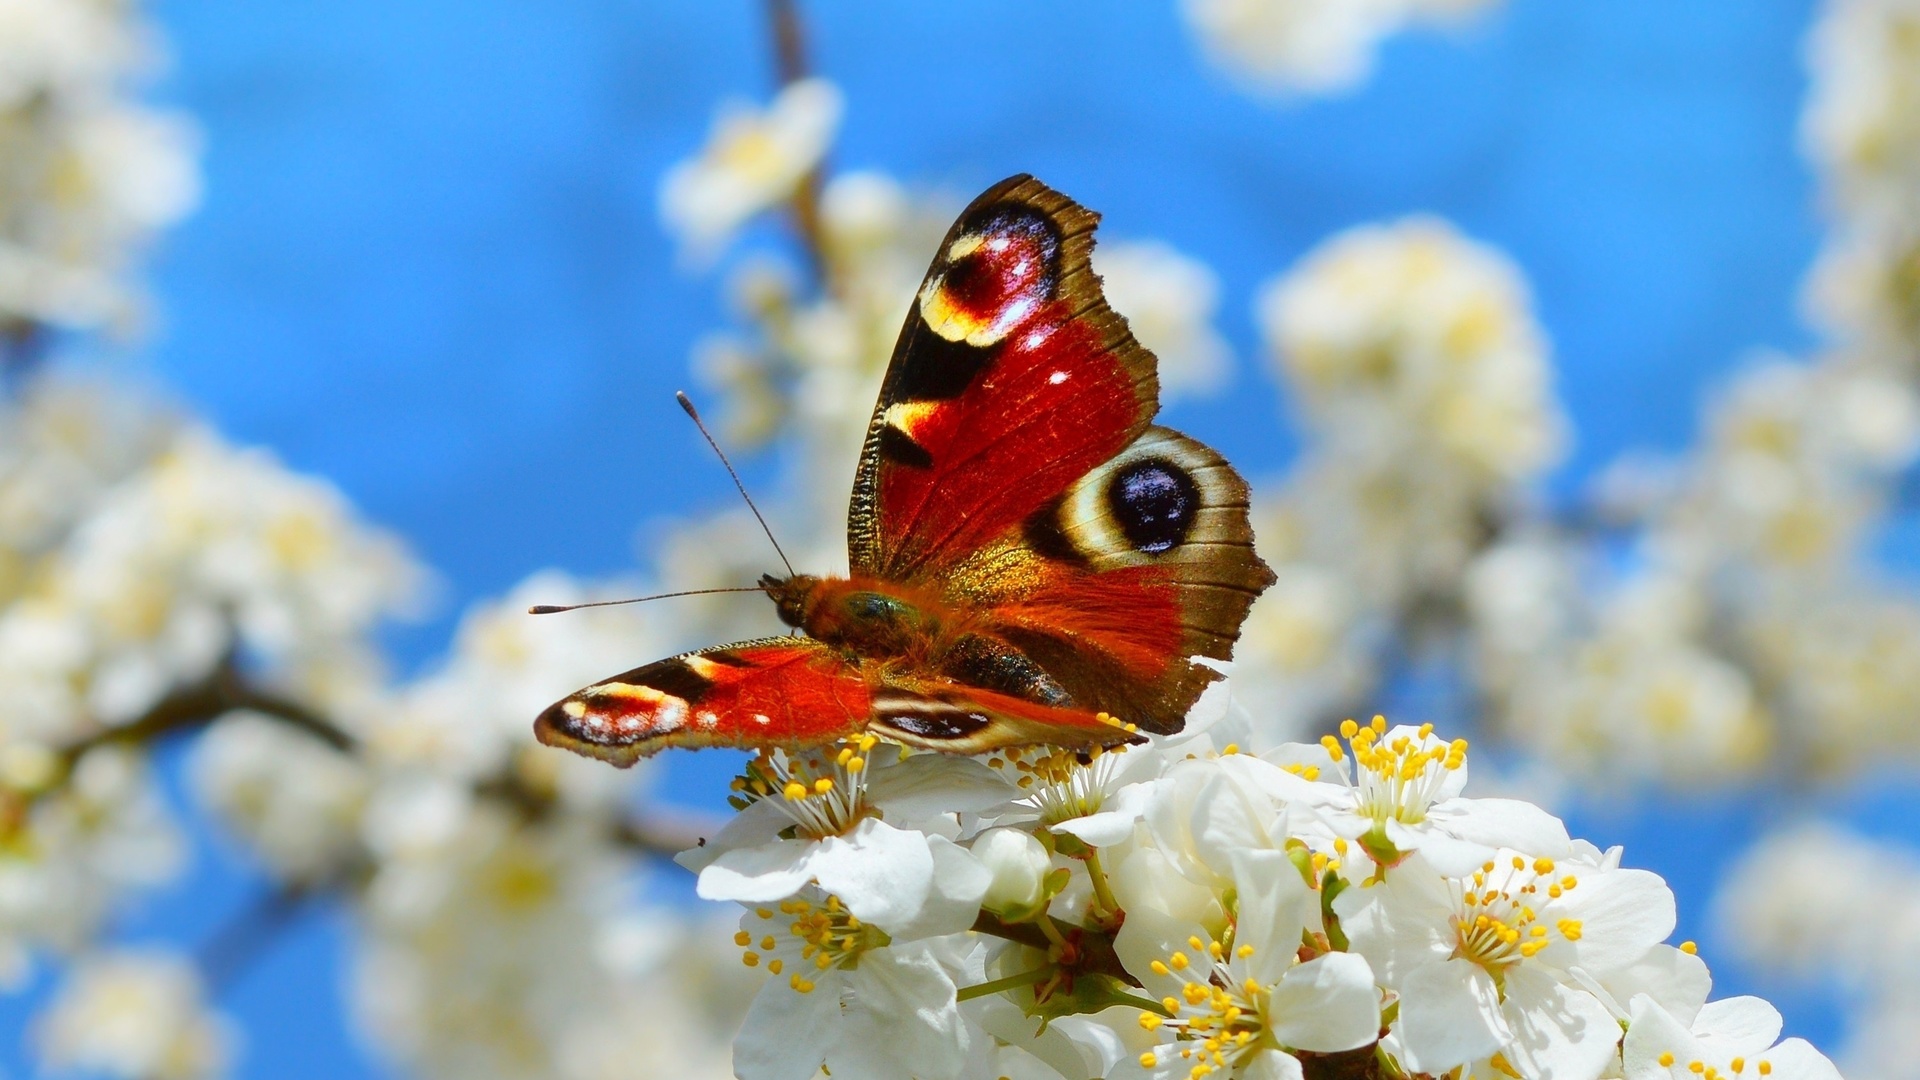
1011 463
784 691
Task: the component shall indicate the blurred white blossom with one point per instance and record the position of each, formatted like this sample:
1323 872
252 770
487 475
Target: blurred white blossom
1308 46
134 1015
754 159
1169 301
87 174
1413 358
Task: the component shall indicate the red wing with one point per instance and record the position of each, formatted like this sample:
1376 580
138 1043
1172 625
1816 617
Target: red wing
1011 380
786 691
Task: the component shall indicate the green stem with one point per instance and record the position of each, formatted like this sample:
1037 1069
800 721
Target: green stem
1012 982
1102 892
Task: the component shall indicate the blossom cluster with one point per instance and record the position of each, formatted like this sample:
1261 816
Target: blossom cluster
87 173
1776 907
1304 47
1185 908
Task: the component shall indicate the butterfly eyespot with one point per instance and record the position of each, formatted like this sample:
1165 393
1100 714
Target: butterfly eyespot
1155 502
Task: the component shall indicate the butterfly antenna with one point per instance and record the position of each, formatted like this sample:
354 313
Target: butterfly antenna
687 404
554 609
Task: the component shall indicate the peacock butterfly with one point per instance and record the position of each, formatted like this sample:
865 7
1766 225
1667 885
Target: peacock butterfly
1033 561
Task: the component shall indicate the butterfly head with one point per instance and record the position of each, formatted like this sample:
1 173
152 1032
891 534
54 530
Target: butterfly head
792 596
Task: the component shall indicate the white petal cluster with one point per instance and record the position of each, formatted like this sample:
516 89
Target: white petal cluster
1174 909
1777 908
1860 129
1413 358
754 159
134 1014
145 563
87 174
206 550
1308 47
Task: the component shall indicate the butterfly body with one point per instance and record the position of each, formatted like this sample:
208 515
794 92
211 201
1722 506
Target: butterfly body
1033 560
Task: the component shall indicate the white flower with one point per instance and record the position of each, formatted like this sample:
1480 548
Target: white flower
1307 46
1730 1039
105 833
134 1015
1237 1000
1298 45
1400 793
1410 338
810 818
1169 301
753 159
491 948
1205 811
90 174
1497 962
295 800
1778 904
1860 122
840 993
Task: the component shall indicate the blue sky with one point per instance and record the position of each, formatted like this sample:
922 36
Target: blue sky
429 268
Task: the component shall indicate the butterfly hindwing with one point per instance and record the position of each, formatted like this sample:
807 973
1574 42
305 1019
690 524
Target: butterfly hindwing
784 691
1140 566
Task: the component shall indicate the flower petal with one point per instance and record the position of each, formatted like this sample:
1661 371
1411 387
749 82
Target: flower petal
754 875
1449 1016
953 900
1276 907
902 1020
929 785
881 873
1796 1059
1272 1065
786 1034
1559 1033
1622 914
1653 1031
1737 1025
1327 1004
1113 824
1504 823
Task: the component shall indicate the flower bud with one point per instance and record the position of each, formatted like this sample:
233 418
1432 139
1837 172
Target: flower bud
1019 865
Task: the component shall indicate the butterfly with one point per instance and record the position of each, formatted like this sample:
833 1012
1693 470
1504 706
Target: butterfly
1033 560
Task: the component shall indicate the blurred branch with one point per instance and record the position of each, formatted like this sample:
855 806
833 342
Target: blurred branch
191 707
23 344
197 704
790 66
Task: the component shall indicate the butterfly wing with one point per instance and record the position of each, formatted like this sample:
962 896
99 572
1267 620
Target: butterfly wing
784 691
1011 378
1012 466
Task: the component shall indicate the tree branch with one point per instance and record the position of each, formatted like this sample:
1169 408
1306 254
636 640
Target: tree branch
194 705
790 66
